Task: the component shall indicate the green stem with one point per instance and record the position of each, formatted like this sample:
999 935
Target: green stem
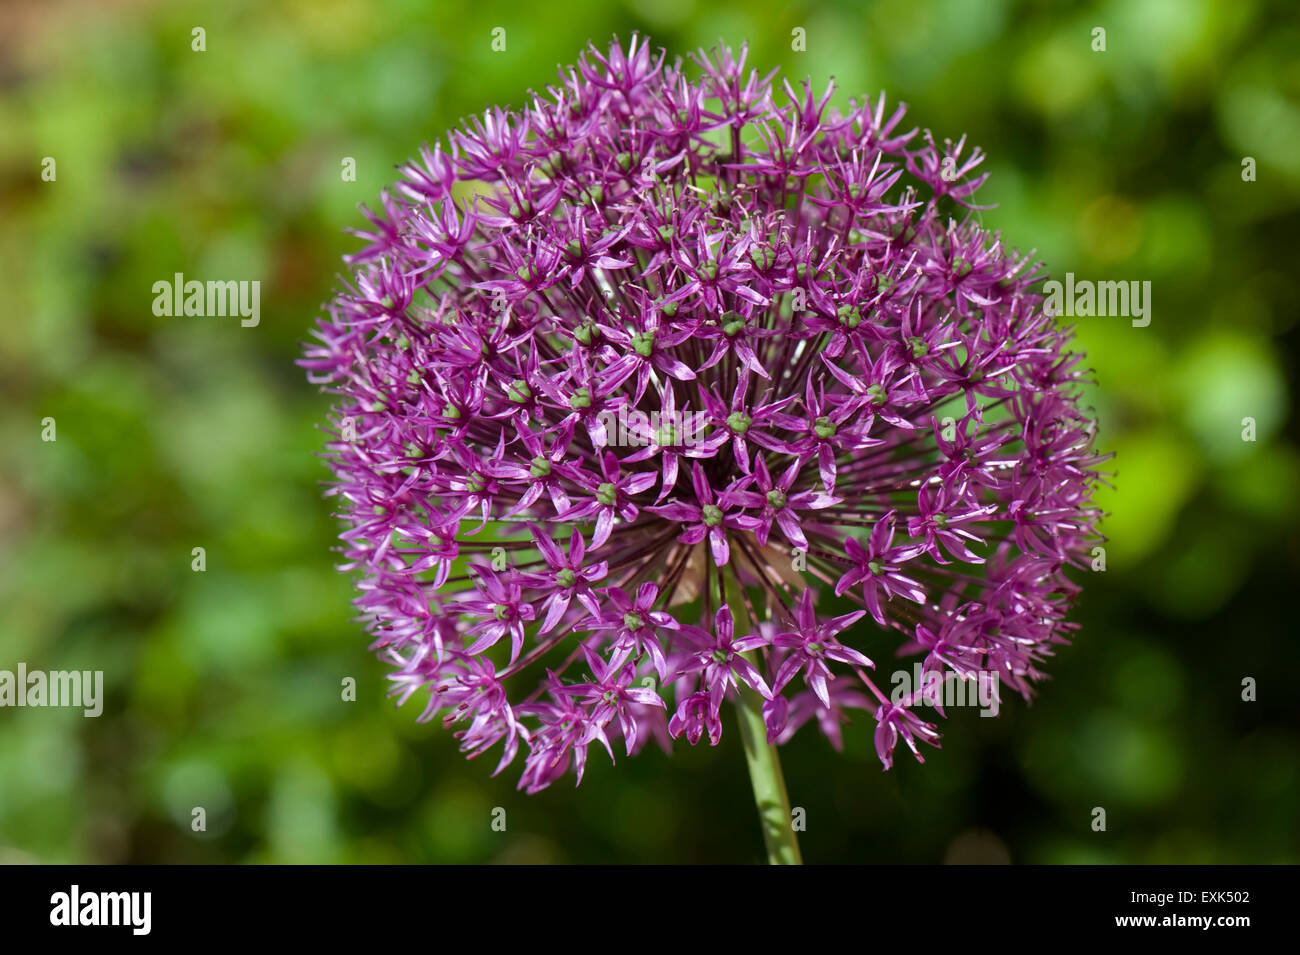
769 784
764 764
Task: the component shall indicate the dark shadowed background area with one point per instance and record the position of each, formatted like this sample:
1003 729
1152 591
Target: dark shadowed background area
223 687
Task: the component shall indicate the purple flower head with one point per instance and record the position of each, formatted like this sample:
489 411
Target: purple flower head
679 384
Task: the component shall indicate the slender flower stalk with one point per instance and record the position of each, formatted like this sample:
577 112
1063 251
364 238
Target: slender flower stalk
678 386
765 776
762 759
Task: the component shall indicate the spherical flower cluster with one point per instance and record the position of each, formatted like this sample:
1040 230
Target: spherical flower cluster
645 388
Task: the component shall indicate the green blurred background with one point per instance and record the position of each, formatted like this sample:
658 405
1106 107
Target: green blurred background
223 687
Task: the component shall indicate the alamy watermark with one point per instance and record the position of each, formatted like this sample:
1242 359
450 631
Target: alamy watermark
637 429
75 688
1086 298
208 299
129 909
932 688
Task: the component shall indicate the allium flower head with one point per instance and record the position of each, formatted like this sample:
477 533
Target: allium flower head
677 384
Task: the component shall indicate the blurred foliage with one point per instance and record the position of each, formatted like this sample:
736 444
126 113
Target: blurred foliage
223 688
